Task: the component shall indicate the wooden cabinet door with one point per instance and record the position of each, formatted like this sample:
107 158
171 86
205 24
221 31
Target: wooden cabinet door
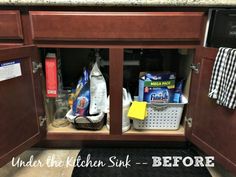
213 127
20 101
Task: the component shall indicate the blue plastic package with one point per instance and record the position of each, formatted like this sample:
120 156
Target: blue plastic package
156 95
82 96
177 97
81 103
156 87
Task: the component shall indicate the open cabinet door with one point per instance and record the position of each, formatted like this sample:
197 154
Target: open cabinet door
21 101
213 128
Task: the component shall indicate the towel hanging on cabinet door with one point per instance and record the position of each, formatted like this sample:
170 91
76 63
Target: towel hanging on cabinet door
223 79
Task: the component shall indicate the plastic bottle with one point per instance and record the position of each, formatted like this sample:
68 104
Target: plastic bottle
126 104
177 98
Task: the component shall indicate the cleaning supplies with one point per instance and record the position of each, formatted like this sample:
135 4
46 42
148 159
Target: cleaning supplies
98 91
156 95
138 110
81 104
126 104
82 96
177 97
156 87
89 103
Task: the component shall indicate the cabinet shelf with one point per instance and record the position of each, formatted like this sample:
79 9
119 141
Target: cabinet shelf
70 133
178 132
156 135
70 129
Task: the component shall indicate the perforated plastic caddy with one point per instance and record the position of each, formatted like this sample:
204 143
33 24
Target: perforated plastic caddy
162 116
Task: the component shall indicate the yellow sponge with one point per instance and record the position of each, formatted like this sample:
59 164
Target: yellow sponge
138 110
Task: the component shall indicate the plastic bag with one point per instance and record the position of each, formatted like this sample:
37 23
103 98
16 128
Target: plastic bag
98 91
82 96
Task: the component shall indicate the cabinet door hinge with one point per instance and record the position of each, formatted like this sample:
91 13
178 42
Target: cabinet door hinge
195 67
189 121
42 120
36 66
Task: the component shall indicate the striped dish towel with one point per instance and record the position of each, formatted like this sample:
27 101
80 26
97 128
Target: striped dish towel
223 78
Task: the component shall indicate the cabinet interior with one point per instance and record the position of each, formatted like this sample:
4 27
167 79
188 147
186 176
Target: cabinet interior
73 60
177 61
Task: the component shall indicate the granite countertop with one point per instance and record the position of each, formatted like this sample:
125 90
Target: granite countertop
154 3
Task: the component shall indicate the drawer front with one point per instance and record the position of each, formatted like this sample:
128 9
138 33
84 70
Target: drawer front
116 25
10 25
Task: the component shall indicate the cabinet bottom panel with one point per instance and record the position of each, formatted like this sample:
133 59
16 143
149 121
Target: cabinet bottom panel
70 133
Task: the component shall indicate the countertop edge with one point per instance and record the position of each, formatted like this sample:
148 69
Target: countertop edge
124 3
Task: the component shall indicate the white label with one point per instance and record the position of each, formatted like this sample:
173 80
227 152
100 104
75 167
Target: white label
10 70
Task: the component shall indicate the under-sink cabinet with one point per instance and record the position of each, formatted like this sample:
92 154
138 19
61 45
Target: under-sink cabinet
177 36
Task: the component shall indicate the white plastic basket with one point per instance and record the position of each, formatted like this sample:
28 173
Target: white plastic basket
162 116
